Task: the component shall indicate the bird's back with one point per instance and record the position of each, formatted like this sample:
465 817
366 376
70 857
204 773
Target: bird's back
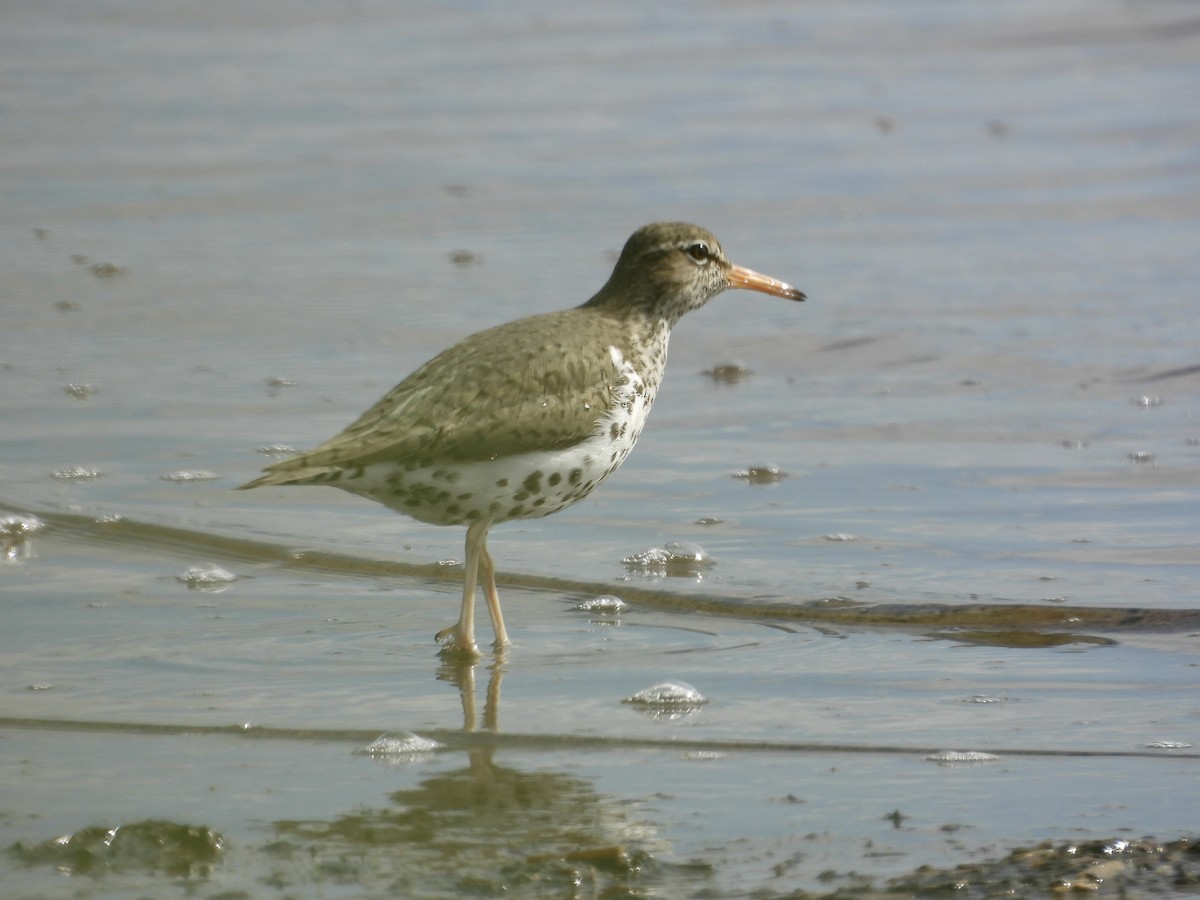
533 384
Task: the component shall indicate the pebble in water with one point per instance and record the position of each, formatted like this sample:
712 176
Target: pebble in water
728 373
674 558
998 129
765 474
106 269
176 850
1106 868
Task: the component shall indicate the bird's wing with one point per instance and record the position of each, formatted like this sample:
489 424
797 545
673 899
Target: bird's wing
511 389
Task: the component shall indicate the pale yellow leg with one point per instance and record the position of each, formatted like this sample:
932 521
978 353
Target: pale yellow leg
487 572
462 633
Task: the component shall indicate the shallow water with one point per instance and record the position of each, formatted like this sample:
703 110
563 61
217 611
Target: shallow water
227 229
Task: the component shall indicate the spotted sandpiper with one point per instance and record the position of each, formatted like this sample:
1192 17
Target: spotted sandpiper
523 419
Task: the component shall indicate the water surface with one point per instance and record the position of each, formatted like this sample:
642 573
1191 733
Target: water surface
231 228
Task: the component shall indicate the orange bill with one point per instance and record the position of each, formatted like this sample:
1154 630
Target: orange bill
750 280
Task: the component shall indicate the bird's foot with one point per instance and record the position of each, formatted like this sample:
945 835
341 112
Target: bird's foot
455 643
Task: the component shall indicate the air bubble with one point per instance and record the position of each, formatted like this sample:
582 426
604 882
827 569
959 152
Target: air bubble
183 475
606 604
206 577
15 532
674 558
275 450
75 473
956 757
404 746
80 390
669 695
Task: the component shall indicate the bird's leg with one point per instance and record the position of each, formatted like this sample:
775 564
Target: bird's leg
487 571
462 633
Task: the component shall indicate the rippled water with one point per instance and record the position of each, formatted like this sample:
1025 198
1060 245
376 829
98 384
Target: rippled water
948 504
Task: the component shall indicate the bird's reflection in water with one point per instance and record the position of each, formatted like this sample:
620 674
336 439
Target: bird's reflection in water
487 829
460 672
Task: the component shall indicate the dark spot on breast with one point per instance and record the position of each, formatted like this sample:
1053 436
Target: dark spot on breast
555 478
576 476
503 482
533 483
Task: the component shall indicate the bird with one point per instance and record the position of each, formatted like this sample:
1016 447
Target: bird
523 419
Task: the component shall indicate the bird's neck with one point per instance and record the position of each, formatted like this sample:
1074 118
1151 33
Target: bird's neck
646 349
641 303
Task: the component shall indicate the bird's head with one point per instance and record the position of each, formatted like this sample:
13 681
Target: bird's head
670 268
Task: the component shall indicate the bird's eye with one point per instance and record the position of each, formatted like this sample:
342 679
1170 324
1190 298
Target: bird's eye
699 252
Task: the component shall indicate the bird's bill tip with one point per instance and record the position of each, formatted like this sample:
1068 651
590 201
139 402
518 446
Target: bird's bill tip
748 279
